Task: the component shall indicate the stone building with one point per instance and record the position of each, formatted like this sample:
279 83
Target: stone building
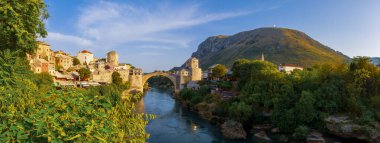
43 56
85 57
63 59
39 65
102 76
113 58
288 68
192 65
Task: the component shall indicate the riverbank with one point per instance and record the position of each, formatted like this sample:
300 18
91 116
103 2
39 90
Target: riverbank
263 132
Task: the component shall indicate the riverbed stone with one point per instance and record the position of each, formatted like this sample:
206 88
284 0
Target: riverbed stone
275 130
315 137
233 130
262 135
342 126
262 126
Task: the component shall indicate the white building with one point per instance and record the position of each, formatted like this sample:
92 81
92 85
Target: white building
288 68
85 57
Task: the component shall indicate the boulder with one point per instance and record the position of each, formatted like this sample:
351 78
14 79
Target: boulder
342 126
375 138
262 127
315 137
262 135
233 130
275 130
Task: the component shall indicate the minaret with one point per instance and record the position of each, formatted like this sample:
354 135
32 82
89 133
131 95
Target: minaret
262 57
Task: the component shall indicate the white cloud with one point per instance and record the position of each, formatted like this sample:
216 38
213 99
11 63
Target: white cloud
82 42
121 23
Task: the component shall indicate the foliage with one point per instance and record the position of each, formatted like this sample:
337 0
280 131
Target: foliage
219 71
240 111
76 61
116 78
84 73
301 132
304 98
305 108
44 81
21 24
32 111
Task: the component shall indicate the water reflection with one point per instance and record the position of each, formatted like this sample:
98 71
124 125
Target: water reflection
175 124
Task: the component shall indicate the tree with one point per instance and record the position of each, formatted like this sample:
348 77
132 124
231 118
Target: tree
219 71
240 111
116 78
305 107
21 24
237 64
76 61
84 73
43 81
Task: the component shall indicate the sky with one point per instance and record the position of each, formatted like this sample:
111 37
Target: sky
159 35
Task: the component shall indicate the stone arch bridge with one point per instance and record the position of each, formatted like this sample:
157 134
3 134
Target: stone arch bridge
139 82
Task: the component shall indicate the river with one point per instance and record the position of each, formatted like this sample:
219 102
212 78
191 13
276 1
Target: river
175 124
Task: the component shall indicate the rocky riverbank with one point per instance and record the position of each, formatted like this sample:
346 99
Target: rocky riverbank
339 126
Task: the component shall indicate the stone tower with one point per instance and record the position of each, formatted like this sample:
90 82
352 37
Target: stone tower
195 72
113 58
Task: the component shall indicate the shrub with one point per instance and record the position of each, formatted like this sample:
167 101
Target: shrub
196 99
301 132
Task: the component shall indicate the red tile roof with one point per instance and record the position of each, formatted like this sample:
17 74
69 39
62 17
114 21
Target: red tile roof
85 51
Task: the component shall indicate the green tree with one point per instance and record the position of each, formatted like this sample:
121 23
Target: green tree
116 78
240 111
84 73
76 61
219 71
301 132
44 81
305 108
21 24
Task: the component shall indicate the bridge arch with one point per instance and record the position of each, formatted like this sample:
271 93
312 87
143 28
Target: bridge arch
153 74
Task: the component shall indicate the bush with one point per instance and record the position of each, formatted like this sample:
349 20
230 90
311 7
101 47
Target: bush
195 100
240 111
185 94
301 132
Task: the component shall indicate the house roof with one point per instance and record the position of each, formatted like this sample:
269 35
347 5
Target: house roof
85 51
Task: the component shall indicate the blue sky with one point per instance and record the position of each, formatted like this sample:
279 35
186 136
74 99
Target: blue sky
158 35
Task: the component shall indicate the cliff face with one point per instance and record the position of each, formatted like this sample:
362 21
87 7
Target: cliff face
279 45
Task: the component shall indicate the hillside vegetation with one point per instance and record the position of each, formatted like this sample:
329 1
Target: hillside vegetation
279 45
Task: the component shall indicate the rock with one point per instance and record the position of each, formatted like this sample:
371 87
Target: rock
342 126
262 127
283 139
375 138
275 130
315 137
262 135
233 130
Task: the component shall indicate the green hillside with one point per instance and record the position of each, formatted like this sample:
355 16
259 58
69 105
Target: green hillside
279 45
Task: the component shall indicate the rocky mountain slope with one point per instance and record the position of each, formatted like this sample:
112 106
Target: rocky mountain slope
279 45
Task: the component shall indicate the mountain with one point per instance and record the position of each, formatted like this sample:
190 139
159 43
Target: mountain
279 45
